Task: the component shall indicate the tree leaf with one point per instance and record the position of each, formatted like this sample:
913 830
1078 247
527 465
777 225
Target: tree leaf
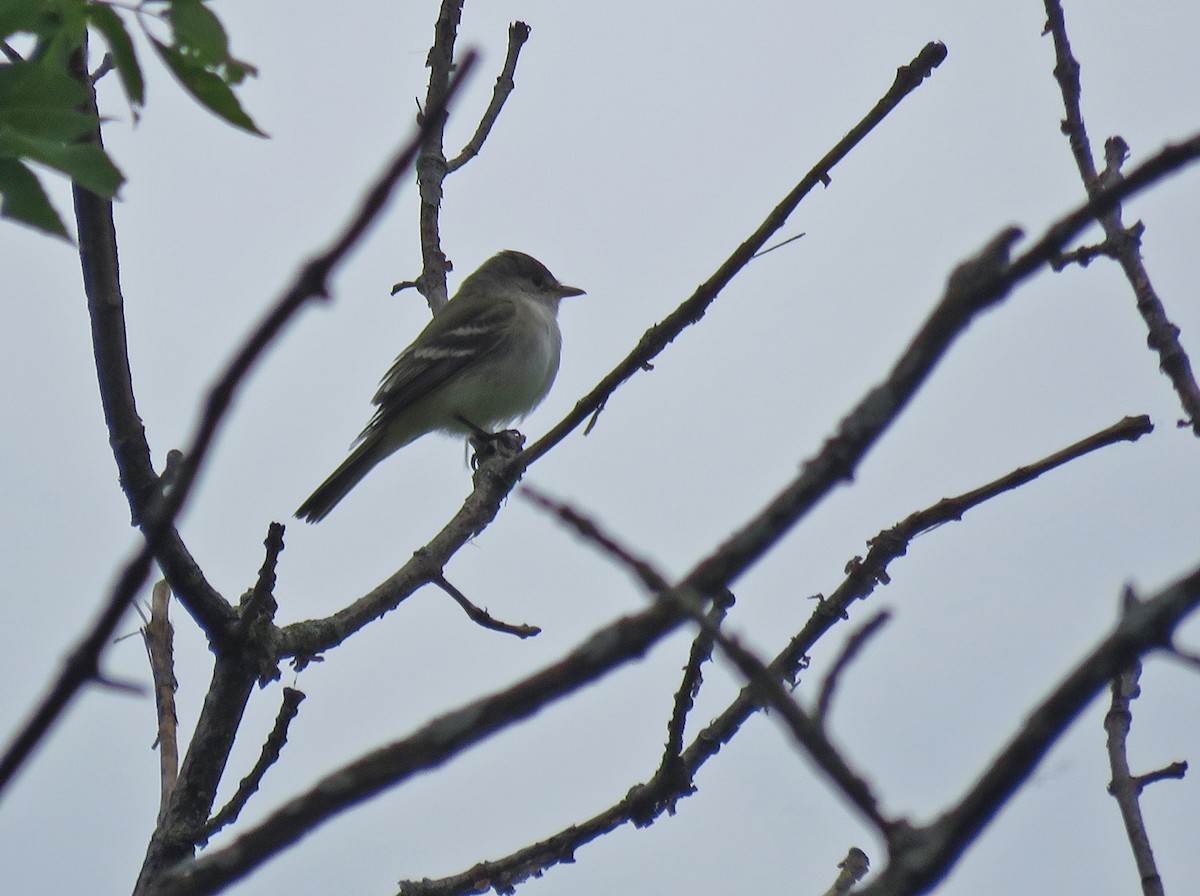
62 30
27 16
32 87
207 87
63 125
85 163
197 28
24 200
120 46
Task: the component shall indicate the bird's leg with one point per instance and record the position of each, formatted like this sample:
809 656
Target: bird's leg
487 445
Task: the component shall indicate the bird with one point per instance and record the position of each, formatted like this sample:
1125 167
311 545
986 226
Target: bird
487 358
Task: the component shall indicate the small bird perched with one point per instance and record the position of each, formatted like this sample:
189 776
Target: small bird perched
488 357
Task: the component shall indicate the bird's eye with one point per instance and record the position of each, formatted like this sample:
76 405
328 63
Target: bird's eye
539 281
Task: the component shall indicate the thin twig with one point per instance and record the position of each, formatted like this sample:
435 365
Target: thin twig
807 731
480 616
1123 787
1174 771
854 645
268 756
1125 243
689 686
658 337
518 33
791 239
1083 256
159 636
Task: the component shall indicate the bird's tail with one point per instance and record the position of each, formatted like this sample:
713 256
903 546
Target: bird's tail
337 486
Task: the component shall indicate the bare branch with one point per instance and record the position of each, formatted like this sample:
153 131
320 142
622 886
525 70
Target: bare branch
1125 787
857 641
493 480
518 33
1175 771
481 616
159 636
700 652
807 732
1125 243
658 337
431 162
182 820
920 857
1085 255
892 543
269 755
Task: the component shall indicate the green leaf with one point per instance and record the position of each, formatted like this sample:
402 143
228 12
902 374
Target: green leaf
234 71
23 199
63 125
207 87
120 46
198 29
85 163
30 86
63 29
27 16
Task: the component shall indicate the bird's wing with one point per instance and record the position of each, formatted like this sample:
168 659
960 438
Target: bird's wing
453 339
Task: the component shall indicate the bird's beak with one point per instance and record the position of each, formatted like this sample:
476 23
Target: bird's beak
568 291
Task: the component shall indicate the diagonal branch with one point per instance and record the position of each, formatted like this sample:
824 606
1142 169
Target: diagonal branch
658 337
481 616
518 33
645 801
921 857
268 756
863 574
807 731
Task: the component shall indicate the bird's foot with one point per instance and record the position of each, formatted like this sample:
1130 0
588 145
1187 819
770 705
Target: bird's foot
487 445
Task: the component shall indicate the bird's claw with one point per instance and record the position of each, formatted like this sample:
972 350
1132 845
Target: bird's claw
486 445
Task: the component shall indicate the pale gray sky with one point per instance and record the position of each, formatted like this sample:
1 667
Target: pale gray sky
643 142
